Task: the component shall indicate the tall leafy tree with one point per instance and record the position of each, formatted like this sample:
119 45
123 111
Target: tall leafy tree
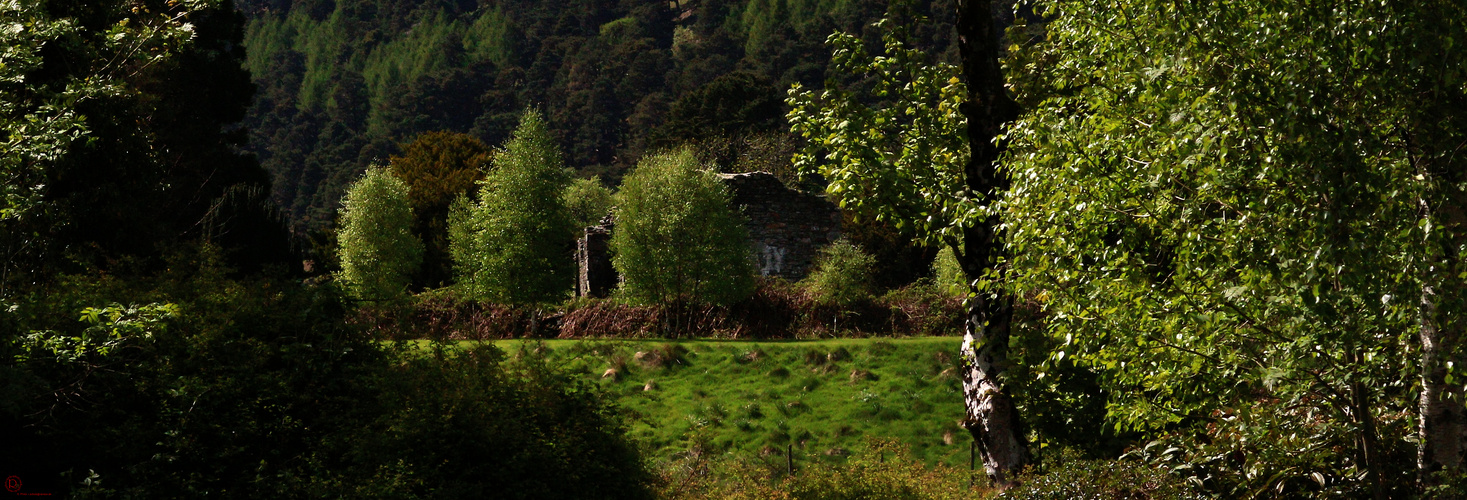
676 238
1248 233
376 246
922 157
983 248
437 168
519 235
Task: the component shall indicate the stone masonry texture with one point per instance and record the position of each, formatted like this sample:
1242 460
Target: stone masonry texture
786 227
595 276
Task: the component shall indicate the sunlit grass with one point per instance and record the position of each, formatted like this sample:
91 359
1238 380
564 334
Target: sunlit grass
821 399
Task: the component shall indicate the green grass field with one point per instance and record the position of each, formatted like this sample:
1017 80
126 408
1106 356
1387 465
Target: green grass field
823 398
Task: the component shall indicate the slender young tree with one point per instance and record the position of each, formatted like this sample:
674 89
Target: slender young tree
377 249
676 238
925 160
518 247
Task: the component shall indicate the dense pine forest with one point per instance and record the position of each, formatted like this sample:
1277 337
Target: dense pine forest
344 83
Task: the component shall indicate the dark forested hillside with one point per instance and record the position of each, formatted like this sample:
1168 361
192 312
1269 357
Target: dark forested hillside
344 83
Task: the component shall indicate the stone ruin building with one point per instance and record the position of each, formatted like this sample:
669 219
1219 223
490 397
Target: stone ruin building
786 228
595 277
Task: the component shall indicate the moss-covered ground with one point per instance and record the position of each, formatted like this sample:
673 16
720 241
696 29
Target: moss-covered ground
821 398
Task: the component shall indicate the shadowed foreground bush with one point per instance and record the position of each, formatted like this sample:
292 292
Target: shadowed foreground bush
473 424
259 389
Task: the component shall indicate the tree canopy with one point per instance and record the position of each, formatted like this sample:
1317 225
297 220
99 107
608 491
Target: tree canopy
1246 229
519 236
919 152
378 252
437 168
588 201
899 159
677 238
121 139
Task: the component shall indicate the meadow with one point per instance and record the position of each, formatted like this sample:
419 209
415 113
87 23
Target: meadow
821 400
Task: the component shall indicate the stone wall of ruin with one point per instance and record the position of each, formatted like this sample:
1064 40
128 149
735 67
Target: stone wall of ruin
786 227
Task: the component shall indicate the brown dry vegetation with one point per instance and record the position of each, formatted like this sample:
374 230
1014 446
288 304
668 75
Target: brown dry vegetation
777 310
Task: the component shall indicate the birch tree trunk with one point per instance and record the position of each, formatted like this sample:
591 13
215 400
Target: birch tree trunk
1443 408
991 417
1443 426
1435 143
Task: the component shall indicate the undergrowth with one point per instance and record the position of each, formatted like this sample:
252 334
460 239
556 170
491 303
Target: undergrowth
881 469
776 310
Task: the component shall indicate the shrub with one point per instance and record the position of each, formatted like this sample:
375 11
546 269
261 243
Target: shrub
676 238
1306 456
377 249
265 377
921 309
588 201
842 275
1100 480
516 247
469 423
